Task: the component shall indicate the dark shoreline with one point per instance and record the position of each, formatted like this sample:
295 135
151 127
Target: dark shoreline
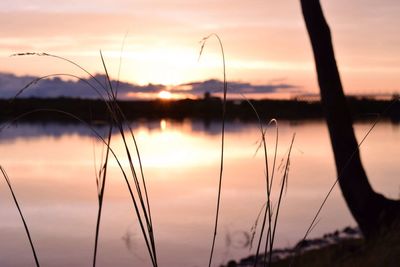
204 109
351 236
345 248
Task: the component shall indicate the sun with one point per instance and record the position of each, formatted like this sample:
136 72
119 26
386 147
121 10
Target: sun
165 95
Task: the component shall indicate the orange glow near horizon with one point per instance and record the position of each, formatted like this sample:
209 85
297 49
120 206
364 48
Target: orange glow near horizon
165 95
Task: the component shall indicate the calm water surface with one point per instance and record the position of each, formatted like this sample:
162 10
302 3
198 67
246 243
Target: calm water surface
52 167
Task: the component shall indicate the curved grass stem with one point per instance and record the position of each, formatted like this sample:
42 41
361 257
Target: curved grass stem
225 89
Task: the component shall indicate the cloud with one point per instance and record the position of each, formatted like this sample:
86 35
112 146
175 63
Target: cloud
94 88
215 87
52 87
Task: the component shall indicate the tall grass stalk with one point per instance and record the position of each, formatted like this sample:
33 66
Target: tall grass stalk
5 175
269 179
141 200
101 181
225 90
268 183
283 185
98 136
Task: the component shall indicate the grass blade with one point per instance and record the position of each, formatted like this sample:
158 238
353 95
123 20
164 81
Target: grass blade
203 42
3 171
102 184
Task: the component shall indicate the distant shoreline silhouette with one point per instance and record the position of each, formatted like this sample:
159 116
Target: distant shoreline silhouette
207 109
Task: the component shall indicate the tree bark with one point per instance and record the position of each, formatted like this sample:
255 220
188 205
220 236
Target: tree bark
372 211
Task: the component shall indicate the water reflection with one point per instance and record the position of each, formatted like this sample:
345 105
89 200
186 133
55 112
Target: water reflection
26 130
52 168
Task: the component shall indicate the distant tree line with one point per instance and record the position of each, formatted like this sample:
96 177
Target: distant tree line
207 108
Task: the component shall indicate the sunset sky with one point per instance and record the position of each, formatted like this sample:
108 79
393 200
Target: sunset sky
265 41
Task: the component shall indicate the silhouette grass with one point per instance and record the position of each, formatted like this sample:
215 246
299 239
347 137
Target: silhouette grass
7 179
272 222
101 179
141 200
225 90
98 136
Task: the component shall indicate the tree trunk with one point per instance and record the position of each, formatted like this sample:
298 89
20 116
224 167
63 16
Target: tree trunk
372 211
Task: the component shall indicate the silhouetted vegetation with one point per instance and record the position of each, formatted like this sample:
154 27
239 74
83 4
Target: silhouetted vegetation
207 109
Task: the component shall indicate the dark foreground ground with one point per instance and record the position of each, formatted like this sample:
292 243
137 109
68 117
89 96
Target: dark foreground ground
344 248
207 109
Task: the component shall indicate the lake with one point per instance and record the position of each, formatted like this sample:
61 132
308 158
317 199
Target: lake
52 167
